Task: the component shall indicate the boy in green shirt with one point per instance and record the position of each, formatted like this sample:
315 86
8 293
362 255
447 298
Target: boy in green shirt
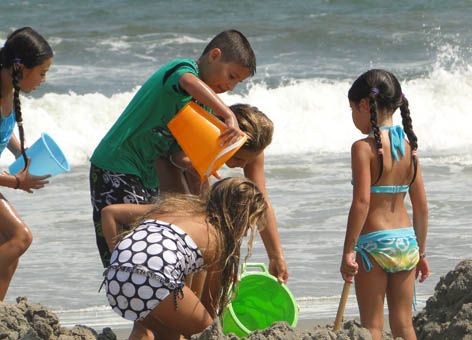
123 164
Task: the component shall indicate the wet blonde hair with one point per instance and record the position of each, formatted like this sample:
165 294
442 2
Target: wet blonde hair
255 124
234 206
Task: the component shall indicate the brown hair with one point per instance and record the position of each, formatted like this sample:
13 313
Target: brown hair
255 124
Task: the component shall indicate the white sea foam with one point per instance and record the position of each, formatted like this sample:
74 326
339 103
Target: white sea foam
309 115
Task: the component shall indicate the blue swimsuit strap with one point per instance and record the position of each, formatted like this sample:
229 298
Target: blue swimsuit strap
366 262
397 144
397 140
389 189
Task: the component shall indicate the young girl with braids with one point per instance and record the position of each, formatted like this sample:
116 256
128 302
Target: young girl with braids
178 236
24 61
385 168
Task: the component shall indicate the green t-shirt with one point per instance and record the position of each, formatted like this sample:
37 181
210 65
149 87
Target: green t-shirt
140 134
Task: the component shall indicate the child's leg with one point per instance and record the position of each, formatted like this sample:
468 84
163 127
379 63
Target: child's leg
140 332
15 238
189 318
400 299
370 291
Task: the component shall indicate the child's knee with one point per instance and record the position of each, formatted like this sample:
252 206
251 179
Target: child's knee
22 239
401 326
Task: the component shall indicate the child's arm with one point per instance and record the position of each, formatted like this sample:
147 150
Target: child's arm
420 222
360 163
8 181
270 234
171 177
14 146
176 174
23 180
116 215
205 95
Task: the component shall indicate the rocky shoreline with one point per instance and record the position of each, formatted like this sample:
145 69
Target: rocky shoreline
447 315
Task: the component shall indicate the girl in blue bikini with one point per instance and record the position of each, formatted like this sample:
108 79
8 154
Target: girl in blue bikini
379 233
25 59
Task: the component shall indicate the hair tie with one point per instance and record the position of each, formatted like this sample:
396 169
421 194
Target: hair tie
16 61
380 152
375 91
413 153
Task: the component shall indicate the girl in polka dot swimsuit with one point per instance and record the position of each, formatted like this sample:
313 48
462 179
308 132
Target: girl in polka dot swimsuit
180 235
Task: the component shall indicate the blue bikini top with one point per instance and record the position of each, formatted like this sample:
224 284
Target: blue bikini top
7 124
397 144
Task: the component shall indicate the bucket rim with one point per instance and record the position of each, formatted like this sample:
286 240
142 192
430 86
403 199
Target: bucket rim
43 138
229 309
284 287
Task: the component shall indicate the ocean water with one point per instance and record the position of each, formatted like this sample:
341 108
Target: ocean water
308 54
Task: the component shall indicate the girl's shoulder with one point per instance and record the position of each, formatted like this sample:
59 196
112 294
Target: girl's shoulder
364 145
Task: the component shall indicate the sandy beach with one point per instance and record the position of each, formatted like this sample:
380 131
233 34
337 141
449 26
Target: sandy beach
447 315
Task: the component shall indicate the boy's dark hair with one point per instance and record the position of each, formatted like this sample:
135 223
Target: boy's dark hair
23 46
235 48
384 92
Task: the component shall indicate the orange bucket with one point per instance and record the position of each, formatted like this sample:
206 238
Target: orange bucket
197 131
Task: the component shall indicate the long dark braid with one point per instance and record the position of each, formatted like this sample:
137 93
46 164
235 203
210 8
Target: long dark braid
375 129
16 76
24 47
408 127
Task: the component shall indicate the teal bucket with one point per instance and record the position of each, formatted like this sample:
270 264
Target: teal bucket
260 300
46 158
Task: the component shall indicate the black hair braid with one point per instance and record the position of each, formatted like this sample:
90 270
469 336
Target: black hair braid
376 131
408 127
16 74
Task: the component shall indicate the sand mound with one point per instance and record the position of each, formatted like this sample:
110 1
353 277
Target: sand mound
448 313
351 330
32 321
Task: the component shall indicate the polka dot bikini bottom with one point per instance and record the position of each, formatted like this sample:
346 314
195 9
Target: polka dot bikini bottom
134 293
147 265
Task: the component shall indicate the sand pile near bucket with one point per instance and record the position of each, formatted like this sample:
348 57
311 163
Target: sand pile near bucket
282 331
448 313
33 321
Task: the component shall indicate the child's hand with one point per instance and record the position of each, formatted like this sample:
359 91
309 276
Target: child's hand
349 267
278 268
233 133
28 182
423 268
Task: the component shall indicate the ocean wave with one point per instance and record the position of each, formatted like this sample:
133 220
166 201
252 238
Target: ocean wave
310 115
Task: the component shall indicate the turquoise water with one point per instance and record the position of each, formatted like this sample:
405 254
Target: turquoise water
308 53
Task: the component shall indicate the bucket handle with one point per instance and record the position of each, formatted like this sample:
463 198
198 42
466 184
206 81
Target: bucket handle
261 266
224 152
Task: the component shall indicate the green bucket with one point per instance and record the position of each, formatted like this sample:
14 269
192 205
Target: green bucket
260 300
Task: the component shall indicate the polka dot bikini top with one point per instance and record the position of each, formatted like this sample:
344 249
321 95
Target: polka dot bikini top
160 250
